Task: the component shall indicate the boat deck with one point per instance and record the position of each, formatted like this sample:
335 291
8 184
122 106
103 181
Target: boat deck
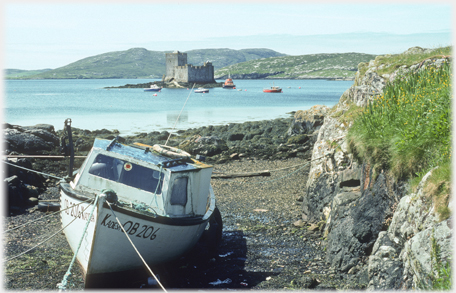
144 153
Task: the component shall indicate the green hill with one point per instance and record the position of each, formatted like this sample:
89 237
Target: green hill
142 63
337 66
19 73
241 64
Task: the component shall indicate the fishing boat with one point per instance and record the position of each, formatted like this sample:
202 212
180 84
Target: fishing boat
229 83
273 89
201 90
130 200
153 88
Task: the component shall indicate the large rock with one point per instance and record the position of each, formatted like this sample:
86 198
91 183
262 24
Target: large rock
416 255
409 235
308 121
357 215
21 185
30 140
204 145
385 268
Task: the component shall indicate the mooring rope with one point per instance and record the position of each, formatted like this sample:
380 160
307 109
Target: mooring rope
177 120
291 173
284 176
62 285
131 242
156 189
20 167
50 237
51 214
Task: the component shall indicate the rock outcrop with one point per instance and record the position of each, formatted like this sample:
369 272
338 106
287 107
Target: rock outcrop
23 186
31 139
370 224
401 257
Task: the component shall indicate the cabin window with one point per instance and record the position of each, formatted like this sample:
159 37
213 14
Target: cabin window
127 173
179 193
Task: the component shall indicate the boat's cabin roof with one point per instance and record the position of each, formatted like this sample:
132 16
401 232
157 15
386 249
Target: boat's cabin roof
146 154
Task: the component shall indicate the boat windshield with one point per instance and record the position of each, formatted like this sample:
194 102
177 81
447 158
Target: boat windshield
127 173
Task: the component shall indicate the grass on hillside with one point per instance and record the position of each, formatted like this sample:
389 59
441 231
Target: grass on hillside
387 64
407 129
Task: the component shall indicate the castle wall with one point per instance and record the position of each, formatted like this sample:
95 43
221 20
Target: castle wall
177 68
190 73
181 73
203 73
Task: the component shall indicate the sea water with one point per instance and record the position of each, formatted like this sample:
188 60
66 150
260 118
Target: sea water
90 105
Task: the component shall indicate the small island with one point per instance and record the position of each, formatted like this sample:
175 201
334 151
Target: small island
179 74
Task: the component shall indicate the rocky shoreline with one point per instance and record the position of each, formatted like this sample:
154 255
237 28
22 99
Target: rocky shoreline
265 245
171 84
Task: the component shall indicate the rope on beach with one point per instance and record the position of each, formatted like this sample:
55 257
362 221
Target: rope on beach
51 214
20 167
131 242
291 173
62 285
177 120
50 237
284 176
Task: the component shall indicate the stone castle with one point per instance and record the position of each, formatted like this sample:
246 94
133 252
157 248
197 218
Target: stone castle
178 70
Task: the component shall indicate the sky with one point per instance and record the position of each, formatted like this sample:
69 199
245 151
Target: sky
43 34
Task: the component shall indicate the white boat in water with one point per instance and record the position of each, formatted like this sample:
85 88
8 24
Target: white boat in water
153 88
201 90
158 196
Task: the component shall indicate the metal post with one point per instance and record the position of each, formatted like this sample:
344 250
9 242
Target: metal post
70 144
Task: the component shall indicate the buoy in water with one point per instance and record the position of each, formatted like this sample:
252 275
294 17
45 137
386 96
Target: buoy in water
155 94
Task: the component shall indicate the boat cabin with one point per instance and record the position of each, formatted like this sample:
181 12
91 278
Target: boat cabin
138 175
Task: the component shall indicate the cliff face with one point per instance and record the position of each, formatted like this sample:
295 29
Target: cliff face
374 228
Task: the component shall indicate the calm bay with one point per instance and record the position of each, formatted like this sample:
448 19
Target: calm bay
91 106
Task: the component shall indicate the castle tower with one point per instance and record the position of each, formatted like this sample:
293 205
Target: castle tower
178 70
172 60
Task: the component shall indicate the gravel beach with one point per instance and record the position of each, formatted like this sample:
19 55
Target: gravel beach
261 246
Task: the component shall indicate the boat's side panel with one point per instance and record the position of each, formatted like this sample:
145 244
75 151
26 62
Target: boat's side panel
197 193
156 242
80 214
200 191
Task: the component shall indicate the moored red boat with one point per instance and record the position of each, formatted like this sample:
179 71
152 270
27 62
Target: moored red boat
229 83
273 89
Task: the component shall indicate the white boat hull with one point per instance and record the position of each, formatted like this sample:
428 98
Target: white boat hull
105 247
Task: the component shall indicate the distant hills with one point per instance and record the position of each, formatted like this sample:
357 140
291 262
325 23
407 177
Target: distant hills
313 66
240 64
141 63
19 73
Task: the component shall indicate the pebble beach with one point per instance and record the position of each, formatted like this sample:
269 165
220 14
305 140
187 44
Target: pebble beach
262 246
265 245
